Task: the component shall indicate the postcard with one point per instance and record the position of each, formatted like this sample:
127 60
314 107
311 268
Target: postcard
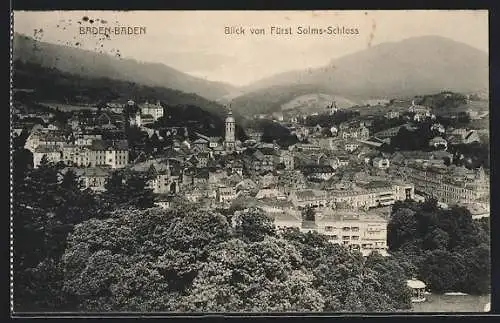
250 162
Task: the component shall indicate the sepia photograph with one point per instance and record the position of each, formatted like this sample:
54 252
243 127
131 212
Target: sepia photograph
250 162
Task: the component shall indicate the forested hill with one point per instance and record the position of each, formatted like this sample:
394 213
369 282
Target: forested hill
51 84
185 109
97 64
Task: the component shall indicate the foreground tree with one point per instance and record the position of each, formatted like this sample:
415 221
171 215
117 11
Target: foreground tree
253 225
47 204
347 282
445 247
259 276
139 260
127 190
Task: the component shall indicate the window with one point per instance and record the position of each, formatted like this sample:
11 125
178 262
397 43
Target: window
345 237
355 237
346 228
328 228
355 229
334 237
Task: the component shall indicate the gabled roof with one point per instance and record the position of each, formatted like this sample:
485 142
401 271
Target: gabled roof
258 155
315 169
47 149
200 141
437 139
99 144
92 172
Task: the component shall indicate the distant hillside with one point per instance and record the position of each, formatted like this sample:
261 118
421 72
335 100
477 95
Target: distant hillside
274 98
316 102
52 85
428 64
92 64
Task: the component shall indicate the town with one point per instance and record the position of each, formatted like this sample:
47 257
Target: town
339 172
321 167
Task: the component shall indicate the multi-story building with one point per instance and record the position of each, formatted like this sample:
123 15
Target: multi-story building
392 115
420 109
351 146
270 193
93 177
370 196
287 159
361 231
45 138
358 231
261 162
154 110
108 153
52 153
349 132
225 194
115 107
318 172
307 147
449 185
161 178
86 139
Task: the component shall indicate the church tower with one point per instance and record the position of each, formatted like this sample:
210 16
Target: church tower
230 124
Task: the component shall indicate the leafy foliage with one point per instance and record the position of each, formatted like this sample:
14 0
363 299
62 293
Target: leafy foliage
126 190
327 120
447 248
43 217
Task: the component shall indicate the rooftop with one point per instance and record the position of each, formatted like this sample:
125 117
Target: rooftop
92 172
415 284
48 149
99 144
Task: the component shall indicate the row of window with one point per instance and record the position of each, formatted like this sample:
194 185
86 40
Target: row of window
335 237
331 228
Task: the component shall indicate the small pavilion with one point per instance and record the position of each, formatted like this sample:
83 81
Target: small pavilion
418 288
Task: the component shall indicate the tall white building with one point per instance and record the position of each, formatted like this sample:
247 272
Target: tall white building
230 124
154 110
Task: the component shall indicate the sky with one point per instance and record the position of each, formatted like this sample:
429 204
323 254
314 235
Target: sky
195 42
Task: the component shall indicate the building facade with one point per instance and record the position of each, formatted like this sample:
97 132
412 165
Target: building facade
440 183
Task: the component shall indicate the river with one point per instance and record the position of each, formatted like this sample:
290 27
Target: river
455 303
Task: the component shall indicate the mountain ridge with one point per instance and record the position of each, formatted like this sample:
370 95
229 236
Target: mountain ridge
94 64
412 66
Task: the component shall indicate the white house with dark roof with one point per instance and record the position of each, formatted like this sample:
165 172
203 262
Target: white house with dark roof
93 177
53 153
438 142
361 231
381 162
155 110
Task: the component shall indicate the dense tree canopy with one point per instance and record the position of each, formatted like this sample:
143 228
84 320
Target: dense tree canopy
445 247
47 204
274 132
83 254
125 189
188 259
